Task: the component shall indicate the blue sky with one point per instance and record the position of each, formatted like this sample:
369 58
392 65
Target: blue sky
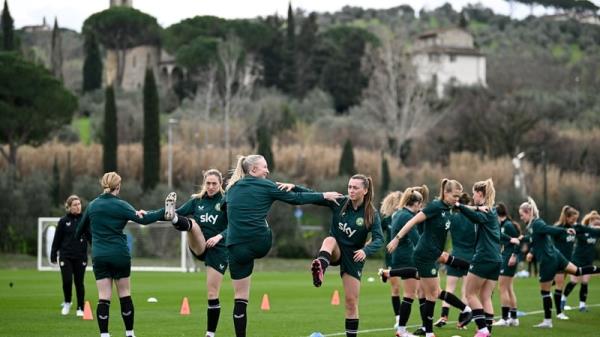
71 13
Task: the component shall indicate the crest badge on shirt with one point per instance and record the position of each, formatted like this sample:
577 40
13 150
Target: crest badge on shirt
360 221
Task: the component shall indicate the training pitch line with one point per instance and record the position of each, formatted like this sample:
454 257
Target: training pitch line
415 325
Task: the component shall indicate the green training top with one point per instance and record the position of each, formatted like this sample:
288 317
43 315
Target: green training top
349 230
107 215
508 230
586 242
464 236
565 242
406 246
208 214
386 227
248 202
540 235
435 229
487 248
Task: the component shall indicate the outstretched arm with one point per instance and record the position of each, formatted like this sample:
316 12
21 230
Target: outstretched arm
420 217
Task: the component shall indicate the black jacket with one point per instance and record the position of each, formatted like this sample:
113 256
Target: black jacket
65 242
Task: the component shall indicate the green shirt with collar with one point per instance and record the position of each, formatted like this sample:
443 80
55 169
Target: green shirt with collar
508 230
406 246
487 248
106 216
464 236
435 230
540 235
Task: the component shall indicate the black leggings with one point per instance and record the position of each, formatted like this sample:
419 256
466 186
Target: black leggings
73 270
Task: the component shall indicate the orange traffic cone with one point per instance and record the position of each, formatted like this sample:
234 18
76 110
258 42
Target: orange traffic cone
335 299
185 307
265 303
87 312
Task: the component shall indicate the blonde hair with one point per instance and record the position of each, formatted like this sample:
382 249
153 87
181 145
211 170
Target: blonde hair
211 172
566 212
410 196
390 203
242 168
590 217
110 181
449 185
368 200
488 190
70 200
530 206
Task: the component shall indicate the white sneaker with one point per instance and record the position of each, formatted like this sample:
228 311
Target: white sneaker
501 322
567 307
545 324
562 316
66 307
170 206
79 313
513 322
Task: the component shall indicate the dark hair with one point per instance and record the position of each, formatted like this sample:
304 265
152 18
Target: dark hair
502 210
465 199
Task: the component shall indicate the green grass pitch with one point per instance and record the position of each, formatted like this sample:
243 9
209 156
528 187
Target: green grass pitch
31 307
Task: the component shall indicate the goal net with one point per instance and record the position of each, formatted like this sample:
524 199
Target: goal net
155 247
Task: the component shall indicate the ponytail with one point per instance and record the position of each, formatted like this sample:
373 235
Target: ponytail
449 185
411 196
530 206
488 190
368 199
566 212
502 210
242 168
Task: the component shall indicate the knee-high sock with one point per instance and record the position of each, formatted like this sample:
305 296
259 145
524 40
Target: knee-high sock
213 311
407 272
102 311
422 311
557 298
405 309
457 263
351 327
547 302
396 305
568 288
445 311
583 291
479 318
127 312
586 270
451 299
505 313
489 320
429 309
325 259
240 317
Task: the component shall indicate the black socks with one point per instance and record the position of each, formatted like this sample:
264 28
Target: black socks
479 318
451 299
505 313
127 312
213 312
557 298
240 318
547 302
102 310
351 327
405 309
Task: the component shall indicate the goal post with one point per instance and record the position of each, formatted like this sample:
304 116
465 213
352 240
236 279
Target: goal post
154 247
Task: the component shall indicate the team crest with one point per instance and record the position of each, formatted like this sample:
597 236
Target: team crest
433 271
360 221
68 223
218 207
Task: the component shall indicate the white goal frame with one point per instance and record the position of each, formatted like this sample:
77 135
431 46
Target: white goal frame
183 267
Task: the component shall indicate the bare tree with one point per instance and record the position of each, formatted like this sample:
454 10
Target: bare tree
239 73
399 104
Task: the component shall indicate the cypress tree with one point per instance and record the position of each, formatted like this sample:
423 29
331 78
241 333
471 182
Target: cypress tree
289 66
263 137
92 65
8 29
109 156
151 132
56 56
385 176
347 160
